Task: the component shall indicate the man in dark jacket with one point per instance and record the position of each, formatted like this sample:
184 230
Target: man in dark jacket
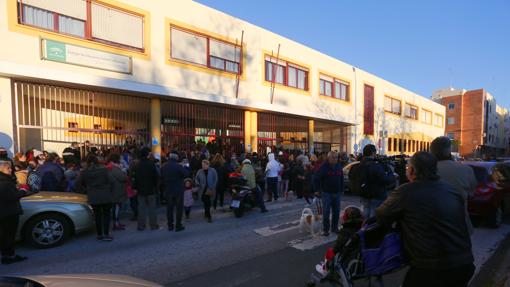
330 181
375 180
172 178
145 182
72 154
51 174
4 156
434 230
10 210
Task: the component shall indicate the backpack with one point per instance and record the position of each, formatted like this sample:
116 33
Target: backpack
358 180
34 182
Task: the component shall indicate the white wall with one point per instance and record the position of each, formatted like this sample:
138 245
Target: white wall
6 127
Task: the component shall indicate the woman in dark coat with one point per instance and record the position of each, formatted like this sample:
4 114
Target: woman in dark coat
10 210
120 180
97 182
218 164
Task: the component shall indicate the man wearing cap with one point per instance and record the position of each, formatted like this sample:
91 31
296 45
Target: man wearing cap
10 210
72 154
172 178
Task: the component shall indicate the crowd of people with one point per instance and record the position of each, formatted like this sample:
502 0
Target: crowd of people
431 207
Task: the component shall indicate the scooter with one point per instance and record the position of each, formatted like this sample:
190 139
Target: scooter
243 198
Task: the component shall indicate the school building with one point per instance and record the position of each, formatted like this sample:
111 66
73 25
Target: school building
171 72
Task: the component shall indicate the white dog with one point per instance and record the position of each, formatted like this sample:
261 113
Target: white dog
310 222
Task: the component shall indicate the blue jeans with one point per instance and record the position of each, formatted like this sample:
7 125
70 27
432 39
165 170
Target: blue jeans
369 206
331 203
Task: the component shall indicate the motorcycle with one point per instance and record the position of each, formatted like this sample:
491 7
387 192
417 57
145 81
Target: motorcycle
243 198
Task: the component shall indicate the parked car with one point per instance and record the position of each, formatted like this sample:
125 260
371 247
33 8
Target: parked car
76 280
491 200
49 218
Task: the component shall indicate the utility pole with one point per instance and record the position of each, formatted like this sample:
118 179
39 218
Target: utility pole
275 70
240 70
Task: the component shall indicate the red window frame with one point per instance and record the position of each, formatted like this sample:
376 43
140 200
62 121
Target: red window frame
87 24
21 20
286 74
333 88
208 52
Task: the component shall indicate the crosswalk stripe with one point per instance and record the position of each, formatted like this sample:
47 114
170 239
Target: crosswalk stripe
272 230
311 242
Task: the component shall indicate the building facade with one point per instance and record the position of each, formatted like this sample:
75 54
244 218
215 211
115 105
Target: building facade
478 126
170 73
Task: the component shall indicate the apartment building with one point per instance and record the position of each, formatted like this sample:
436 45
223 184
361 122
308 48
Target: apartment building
168 73
478 126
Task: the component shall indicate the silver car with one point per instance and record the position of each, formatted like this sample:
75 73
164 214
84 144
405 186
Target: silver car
76 280
49 218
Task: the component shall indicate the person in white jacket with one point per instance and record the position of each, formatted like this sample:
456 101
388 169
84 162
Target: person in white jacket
272 170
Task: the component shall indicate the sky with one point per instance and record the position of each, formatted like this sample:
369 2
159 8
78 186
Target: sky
419 45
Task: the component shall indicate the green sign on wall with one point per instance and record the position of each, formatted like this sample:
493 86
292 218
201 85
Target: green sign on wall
55 51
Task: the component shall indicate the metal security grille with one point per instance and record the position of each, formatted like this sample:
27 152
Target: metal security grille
330 136
187 124
51 117
279 131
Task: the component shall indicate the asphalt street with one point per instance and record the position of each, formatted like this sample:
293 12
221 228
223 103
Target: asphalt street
257 249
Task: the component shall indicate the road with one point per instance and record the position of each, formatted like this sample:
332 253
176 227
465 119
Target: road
256 249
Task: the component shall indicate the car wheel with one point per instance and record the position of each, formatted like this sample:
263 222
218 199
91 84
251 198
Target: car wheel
496 218
47 230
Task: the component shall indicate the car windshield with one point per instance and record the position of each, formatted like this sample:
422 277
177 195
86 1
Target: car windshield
481 174
18 282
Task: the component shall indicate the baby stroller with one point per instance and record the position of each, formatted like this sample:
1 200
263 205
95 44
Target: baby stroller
373 251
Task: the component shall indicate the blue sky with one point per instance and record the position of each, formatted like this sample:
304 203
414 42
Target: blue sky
419 45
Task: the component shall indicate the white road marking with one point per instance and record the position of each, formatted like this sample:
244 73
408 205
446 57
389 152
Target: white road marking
272 230
309 243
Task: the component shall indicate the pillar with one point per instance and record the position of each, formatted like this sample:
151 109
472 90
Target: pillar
311 133
156 127
247 132
254 130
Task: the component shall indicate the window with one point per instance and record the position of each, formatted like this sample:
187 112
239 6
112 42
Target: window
427 117
107 24
451 120
392 105
368 110
390 141
286 73
451 106
411 111
332 87
48 20
202 50
279 70
439 120
326 88
451 136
